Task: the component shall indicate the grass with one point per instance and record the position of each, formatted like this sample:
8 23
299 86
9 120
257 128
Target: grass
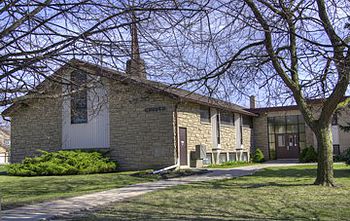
16 191
231 164
284 193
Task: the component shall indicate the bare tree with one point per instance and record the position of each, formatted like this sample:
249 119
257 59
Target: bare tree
37 37
288 50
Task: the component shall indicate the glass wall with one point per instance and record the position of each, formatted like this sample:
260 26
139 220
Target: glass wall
292 124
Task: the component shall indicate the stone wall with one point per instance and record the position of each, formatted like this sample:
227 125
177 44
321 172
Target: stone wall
228 137
247 138
3 150
141 128
260 139
3 137
37 125
201 132
197 132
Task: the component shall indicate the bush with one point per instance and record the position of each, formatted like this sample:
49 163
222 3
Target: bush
63 162
338 158
308 155
230 164
258 156
345 156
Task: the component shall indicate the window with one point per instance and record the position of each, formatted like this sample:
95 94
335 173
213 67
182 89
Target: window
280 127
218 128
245 156
226 118
222 158
241 128
281 140
247 121
78 98
205 114
336 150
335 119
232 156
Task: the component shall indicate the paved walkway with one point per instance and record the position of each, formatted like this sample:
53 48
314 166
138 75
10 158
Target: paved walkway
49 210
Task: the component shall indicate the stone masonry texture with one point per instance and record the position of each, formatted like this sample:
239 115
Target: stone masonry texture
141 128
201 132
38 125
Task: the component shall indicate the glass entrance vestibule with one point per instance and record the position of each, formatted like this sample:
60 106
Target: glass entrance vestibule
286 136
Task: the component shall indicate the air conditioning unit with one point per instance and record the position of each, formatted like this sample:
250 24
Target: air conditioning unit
201 152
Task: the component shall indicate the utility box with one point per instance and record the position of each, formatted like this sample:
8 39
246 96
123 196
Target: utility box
201 152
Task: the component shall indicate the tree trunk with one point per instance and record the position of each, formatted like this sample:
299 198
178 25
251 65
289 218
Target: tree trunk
325 156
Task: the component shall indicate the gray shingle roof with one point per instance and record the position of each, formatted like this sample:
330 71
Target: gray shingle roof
176 93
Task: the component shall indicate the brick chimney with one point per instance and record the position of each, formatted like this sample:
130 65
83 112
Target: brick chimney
135 66
252 102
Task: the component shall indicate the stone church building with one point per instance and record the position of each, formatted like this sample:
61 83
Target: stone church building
146 124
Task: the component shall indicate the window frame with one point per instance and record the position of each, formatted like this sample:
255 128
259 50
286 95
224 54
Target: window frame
79 99
336 146
218 125
283 136
201 110
228 115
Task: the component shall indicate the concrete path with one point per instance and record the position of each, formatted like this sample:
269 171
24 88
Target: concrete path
49 210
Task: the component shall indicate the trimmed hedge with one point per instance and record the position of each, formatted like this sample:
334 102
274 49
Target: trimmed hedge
308 155
258 156
345 156
63 162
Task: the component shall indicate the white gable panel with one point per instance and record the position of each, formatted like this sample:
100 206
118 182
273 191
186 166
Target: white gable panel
94 133
238 122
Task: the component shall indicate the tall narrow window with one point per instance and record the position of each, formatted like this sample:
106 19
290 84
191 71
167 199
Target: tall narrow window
218 127
241 128
78 98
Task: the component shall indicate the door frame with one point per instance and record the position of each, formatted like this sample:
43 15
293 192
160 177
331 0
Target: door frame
286 141
187 158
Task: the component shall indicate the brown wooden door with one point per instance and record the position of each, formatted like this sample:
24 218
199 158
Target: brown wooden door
287 146
183 145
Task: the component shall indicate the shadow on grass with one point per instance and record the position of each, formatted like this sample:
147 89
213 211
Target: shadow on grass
298 172
206 201
176 211
273 184
179 210
18 191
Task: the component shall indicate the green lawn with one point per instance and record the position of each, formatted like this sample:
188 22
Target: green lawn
282 193
17 191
